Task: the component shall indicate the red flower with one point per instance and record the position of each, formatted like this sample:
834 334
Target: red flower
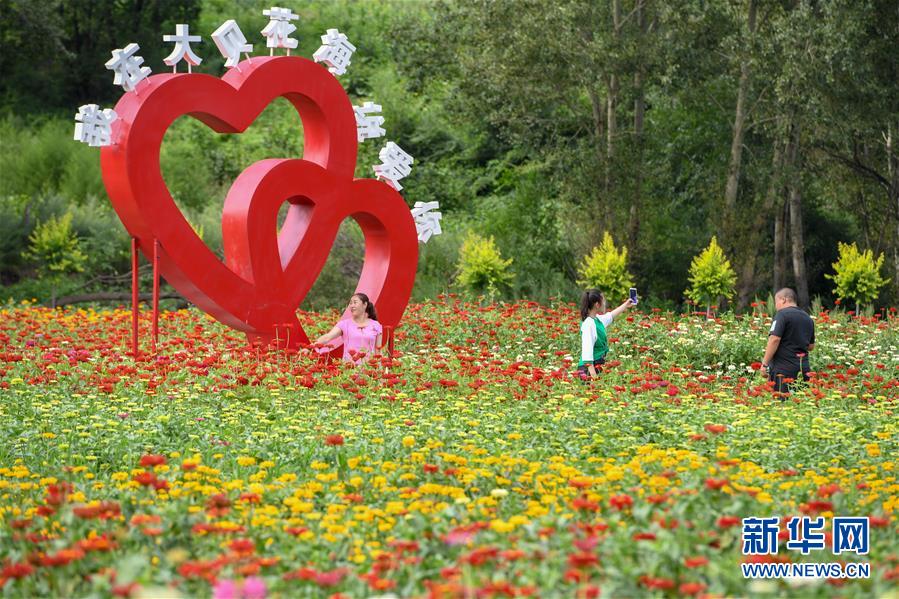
582 560
296 530
644 536
695 562
620 502
301 574
150 460
691 588
330 579
715 484
480 556
62 557
430 468
728 521
816 506
124 590
715 429
98 543
828 490
242 546
17 570
145 478
582 503
334 440
651 582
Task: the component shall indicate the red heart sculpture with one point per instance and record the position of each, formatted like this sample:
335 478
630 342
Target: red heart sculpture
266 274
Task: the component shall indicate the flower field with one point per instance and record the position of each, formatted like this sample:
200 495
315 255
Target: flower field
472 465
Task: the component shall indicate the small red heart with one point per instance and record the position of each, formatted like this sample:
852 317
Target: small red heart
266 274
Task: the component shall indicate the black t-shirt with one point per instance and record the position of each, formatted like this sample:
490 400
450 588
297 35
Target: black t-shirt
796 330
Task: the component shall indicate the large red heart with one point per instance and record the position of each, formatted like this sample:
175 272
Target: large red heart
266 274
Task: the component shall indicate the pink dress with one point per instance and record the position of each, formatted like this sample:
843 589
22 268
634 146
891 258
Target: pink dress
360 339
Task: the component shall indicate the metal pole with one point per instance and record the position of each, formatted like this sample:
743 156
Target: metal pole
134 295
155 293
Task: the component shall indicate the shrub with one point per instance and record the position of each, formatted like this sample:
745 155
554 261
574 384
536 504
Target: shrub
857 275
481 267
55 249
606 268
711 276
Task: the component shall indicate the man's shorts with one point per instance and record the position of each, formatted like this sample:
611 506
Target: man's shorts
783 378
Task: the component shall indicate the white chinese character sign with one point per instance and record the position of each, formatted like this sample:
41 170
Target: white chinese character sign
368 124
94 126
277 32
262 281
395 165
335 52
182 51
231 42
427 220
126 65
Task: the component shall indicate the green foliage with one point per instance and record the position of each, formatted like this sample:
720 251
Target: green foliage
606 268
522 151
711 275
857 274
481 267
54 247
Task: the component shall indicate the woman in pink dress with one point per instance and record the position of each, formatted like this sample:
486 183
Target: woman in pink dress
361 332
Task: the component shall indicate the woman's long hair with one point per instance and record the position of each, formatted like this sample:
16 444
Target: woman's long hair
369 306
590 298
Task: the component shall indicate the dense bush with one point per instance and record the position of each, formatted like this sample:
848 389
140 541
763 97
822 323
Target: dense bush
605 268
857 275
482 269
711 276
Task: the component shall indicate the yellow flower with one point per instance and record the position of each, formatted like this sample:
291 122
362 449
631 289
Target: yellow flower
873 449
246 461
408 441
501 526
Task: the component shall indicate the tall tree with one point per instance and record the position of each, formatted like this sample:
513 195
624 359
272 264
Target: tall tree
736 147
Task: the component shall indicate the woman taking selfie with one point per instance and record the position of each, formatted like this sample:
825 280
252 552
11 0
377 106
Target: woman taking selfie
594 321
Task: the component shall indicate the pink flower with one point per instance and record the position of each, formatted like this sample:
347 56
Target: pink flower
254 588
225 589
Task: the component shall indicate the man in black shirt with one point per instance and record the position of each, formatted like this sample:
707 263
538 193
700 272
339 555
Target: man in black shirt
791 338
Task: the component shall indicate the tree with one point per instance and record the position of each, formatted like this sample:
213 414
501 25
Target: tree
55 250
481 266
606 268
711 276
736 148
857 275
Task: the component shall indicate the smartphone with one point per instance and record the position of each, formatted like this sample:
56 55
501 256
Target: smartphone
634 295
